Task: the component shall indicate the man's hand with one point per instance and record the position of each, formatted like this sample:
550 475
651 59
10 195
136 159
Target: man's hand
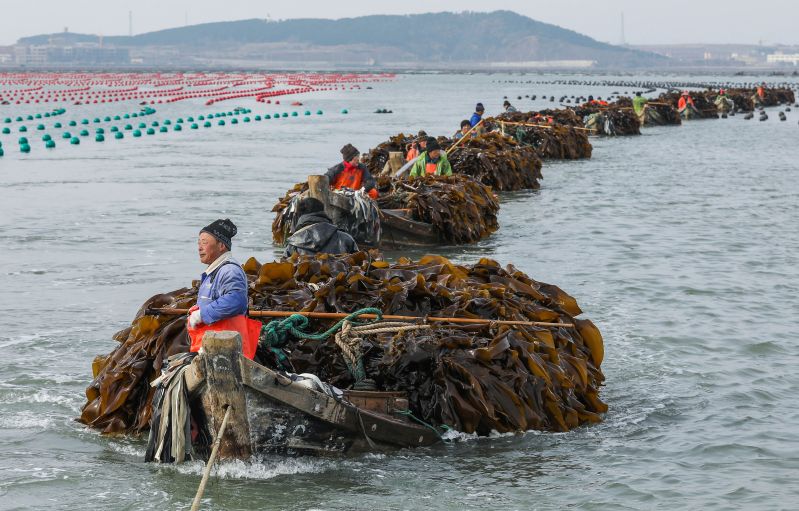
195 319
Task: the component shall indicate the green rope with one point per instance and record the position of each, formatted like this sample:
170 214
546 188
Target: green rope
276 333
407 413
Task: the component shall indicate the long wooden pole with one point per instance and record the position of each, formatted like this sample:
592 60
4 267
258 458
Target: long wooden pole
545 126
255 313
457 142
207 472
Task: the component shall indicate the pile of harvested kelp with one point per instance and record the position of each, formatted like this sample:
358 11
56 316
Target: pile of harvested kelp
613 120
705 106
375 160
461 208
550 140
479 379
497 161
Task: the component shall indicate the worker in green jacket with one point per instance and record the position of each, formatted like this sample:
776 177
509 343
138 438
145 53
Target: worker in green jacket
639 102
432 162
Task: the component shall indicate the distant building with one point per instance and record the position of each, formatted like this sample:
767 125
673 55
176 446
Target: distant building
59 54
783 58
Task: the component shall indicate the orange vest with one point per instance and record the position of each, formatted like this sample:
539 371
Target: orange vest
430 168
412 154
684 102
351 177
249 329
761 93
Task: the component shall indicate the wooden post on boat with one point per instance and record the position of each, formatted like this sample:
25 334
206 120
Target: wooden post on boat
319 189
222 354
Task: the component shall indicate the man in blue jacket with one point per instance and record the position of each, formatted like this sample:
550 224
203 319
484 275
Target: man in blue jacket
477 116
223 284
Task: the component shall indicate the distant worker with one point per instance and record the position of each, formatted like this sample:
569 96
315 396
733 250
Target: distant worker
315 233
432 162
351 173
639 104
417 146
508 107
466 126
222 295
760 94
477 116
685 101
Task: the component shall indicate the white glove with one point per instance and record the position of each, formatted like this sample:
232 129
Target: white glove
195 319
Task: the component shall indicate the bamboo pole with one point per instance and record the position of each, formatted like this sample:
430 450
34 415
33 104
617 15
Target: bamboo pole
255 313
545 126
457 142
195 505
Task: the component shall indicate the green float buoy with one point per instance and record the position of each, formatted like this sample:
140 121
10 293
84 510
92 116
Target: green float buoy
221 122
267 116
30 117
25 148
194 126
97 120
99 131
180 120
294 114
126 116
84 121
23 140
285 114
201 118
99 138
50 144
234 121
117 118
107 118
246 119
155 124
74 141
84 133
1 151
57 125
7 120
136 133
47 114
114 129
46 137
128 127
119 135
66 135
207 124
19 119
164 129
73 123
151 131
134 114
307 112
345 111
190 119
142 125
23 129
40 127
6 131
167 122
177 127
257 118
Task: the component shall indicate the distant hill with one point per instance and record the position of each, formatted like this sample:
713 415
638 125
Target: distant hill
499 36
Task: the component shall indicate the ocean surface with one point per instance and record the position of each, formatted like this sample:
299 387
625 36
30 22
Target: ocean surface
682 245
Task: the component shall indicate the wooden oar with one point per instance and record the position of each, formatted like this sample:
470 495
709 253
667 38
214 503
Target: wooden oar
255 313
457 142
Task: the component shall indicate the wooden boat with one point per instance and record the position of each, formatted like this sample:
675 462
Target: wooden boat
397 226
272 413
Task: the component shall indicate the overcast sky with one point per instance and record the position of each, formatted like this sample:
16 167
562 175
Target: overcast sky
646 21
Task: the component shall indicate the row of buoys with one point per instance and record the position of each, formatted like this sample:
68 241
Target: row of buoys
163 127
31 117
